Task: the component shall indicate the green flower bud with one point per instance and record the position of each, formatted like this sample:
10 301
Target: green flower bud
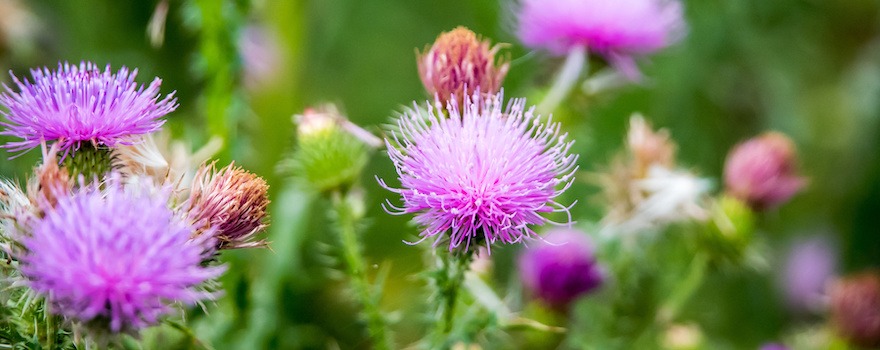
730 230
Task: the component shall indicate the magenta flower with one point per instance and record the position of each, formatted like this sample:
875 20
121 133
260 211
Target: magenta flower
763 171
618 30
76 104
484 175
560 269
117 258
810 265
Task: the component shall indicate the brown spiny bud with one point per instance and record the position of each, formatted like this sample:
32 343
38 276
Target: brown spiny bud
855 308
649 147
232 203
458 64
49 181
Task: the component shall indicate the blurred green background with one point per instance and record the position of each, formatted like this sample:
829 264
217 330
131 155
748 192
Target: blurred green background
808 68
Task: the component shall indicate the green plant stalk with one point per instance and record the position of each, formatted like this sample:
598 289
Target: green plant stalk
449 280
686 289
217 49
347 220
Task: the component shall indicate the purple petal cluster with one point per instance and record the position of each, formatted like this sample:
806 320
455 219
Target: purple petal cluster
561 268
762 171
81 103
618 29
483 175
115 258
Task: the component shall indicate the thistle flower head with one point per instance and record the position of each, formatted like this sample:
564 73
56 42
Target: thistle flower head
49 181
115 259
485 175
855 308
561 268
460 63
618 30
762 171
231 204
809 266
81 103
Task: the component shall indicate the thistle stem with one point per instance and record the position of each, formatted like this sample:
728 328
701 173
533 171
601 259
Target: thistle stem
575 62
686 289
448 280
347 219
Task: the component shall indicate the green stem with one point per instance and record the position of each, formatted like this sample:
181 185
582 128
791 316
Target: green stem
686 288
449 280
347 220
568 75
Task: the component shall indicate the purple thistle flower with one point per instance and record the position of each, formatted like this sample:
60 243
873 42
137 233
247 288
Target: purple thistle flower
484 175
561 268
115 258
617 30
76 104
773 346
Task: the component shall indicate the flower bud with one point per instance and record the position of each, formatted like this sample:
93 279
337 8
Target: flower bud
730 230
460 63
331 151
232 203
762 171
855 308
561 268
48 182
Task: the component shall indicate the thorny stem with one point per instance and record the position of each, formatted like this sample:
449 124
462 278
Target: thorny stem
347 219
575 62
448 280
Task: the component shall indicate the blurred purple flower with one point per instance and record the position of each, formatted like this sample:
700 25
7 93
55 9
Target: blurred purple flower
810 265
261 56
773 346
560 269
485 174
762 171
76 104
617 30
117 258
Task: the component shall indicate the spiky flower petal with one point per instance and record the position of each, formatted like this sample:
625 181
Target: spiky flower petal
485 174
81 103
231 204
618 30
115 259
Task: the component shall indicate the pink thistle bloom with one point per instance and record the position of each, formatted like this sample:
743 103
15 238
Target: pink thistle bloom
762 171
484 175
618 30
77 104
116 258
560 269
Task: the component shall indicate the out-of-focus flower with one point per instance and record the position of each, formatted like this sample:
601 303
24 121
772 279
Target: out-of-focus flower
687 336
18 25
809 267
773 346
855 308
163 160
261 56
560 269
230 204
482 264
459 64
79 104
618 30
331 151
645 189
115 258
762 171
485 175
49 181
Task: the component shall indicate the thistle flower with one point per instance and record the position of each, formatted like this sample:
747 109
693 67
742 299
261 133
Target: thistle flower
773 346
81 104
809 266
484 175
460 63
560 269
158 157
618 30
644 188
49 181
855 308
230 204
115 259
762 171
